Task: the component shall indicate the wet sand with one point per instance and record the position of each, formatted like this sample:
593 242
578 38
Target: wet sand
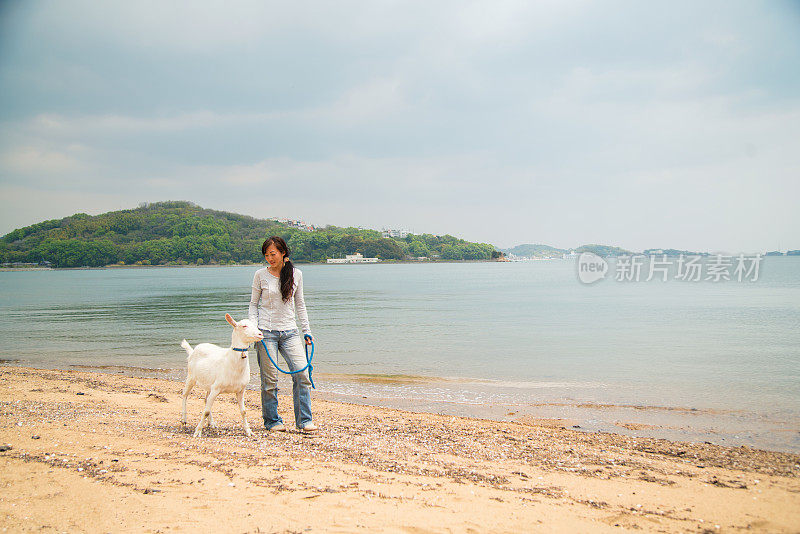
92 452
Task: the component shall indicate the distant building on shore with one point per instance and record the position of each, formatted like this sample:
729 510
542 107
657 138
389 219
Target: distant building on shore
353 258
300 225
398 234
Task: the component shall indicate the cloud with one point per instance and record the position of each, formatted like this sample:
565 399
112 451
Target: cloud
81 125
22 206
506 122
374 100
29 160
259 174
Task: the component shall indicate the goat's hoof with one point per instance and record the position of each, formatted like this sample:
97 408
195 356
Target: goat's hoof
198 434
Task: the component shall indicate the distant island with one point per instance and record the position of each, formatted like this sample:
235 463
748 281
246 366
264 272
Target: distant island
180 233
530 251
535 251
788 253
183 233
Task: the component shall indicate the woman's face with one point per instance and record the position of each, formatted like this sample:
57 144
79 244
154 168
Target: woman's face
273 256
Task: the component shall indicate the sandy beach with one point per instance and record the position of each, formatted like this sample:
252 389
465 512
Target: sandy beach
91 452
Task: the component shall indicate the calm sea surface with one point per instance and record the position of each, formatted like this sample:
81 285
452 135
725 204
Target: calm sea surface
687 360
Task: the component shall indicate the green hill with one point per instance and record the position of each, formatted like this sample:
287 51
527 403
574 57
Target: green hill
534 251
672 252
544 251
603 250
176 232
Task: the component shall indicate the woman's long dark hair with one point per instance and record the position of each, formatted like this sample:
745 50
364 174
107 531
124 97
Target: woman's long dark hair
287 272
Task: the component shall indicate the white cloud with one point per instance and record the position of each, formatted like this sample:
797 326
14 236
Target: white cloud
377 99
373 100
22 206
246 175
506 121
79 125
30 160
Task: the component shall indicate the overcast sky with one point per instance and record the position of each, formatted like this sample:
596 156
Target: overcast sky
636 124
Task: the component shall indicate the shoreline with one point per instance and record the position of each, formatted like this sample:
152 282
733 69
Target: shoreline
98 452
723 426
207 265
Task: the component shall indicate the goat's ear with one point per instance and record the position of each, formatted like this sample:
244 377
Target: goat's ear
230 320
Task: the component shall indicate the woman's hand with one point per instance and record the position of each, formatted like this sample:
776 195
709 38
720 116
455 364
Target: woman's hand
309 339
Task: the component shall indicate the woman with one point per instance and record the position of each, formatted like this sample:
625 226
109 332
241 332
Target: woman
277 294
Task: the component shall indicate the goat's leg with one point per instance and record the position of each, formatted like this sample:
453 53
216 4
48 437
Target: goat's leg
198 432
240 400
186 389
210 421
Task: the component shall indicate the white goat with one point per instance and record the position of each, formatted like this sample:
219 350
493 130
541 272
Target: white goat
220 370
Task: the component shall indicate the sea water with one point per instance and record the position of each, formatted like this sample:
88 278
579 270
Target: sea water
713 361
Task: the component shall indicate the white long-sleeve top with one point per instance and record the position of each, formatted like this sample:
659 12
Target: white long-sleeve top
267 307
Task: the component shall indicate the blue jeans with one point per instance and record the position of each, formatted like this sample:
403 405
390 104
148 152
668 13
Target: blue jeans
290 345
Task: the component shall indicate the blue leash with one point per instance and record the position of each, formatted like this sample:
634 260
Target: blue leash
308 360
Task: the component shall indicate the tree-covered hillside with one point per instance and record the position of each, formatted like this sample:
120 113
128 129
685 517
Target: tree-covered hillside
534 251
181 232
545 251
603 250
672 252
